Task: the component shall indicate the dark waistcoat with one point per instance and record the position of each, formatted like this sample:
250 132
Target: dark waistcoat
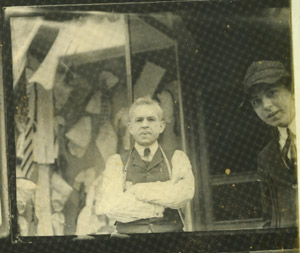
282 186
139 171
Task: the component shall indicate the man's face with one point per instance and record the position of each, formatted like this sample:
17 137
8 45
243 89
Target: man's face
145 125
274 104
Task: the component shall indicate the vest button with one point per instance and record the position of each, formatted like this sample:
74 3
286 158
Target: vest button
294 186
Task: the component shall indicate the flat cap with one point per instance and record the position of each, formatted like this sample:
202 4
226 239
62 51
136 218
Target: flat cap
268 72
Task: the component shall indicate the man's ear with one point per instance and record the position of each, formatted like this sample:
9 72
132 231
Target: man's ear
162 126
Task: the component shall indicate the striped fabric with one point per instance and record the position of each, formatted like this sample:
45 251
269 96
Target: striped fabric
27 161
28 149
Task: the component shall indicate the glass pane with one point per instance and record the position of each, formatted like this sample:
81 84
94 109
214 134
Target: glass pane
239 201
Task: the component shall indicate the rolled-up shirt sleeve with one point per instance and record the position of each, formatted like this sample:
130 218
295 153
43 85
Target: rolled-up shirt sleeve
174 193
117 204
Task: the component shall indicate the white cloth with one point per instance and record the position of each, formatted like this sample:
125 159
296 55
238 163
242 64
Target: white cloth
144 200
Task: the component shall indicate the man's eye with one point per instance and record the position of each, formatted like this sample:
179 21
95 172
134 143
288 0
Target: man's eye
151 119
272 93
255 102
138 120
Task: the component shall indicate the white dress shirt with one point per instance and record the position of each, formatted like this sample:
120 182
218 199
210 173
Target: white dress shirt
144 200
283 135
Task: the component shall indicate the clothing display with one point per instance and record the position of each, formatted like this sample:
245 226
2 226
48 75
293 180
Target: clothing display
109 78
79 93
148 80
106 141
43 140
144 199
60 192
79 136
42 201
25 139
88 222
23 226
121 121
168 139
61 94
46 73
23 32
25 192
94 105
279 184
58 223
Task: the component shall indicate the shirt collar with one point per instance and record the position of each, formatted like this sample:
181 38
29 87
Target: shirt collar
140 149
291 127
283 132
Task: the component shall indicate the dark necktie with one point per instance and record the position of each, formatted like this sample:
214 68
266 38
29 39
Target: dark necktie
146 153
290 148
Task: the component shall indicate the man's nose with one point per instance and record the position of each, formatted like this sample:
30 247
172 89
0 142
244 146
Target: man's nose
145 123
267 103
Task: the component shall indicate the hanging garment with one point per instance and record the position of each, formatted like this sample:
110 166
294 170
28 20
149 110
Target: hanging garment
42 201
45 74
121 121
168 139
25 192
109 79
106 141
24 146
79 137
60 192
23 30
94 105
61 94
105 106
85 177
148 80
88 222
167 105
23 225
43 142
58 223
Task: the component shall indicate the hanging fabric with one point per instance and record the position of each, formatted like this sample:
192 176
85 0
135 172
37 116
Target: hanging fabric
148 80
44 151
25 141
23 30
107 141
79 137
42 202
94 105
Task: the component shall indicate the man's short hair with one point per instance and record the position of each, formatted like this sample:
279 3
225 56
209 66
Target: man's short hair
146 101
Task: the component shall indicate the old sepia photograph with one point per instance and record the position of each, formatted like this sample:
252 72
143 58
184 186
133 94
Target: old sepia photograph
134 121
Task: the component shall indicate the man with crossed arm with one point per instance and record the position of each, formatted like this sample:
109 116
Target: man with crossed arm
144 188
